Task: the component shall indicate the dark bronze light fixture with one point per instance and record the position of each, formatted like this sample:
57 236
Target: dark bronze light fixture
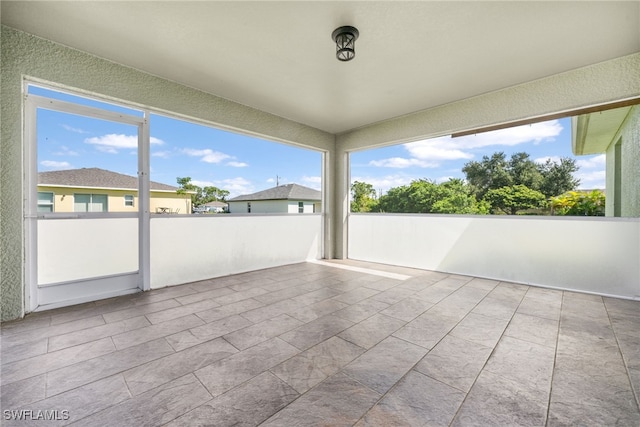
345 38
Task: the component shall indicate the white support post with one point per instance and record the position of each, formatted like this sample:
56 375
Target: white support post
144 224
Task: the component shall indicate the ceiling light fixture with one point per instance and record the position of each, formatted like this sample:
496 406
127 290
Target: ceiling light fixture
345 38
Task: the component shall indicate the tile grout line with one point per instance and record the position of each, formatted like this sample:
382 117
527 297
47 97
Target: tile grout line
492 350
555 358
636 393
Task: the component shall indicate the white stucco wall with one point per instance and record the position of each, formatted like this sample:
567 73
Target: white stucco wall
270 206
629 137
293 207
597 255
186 249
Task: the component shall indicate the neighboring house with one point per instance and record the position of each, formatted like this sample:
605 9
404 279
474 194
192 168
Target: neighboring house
617 134
99 190
212 207
290 198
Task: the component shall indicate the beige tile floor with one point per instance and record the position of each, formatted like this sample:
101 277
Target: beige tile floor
325 345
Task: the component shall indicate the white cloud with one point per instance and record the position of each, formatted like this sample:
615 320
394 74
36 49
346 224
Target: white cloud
203 184
430 153
161 154
312 179
72 129
237 164
207 155
592 179
270 180
52 164
536 133
384 183
401 163
66 151
599 161
312 182
592 172
237 186
112 143
437 149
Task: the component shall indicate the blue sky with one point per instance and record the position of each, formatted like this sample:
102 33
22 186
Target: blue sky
439 159
243 164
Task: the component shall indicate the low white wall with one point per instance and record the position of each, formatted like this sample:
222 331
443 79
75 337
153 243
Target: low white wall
187 249
597 255
75 249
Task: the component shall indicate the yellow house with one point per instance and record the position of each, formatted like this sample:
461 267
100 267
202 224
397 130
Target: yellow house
99 190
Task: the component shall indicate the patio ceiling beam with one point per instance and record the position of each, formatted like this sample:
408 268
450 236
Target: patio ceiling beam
570 113
597 84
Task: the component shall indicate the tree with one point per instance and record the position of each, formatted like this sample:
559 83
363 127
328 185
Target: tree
200 196
425 196
557 178
456 198
490 173
212 194
514 198
187 187
363 197
524 171
579 203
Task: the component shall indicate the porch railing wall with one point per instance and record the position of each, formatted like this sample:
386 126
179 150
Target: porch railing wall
191 248
597 255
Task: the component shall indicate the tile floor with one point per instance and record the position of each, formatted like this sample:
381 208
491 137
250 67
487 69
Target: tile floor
329 344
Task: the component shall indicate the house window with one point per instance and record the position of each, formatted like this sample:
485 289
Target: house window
300 207
248 207
128 200
90 203
45 201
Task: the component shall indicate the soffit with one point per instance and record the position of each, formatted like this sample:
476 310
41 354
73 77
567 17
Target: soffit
278 56
596 131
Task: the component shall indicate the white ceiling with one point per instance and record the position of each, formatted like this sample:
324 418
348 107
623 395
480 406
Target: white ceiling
279 57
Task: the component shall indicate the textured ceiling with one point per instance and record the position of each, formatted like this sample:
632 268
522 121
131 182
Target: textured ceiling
279 57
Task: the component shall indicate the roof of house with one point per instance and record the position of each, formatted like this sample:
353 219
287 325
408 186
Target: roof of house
216 204
95 178
282 192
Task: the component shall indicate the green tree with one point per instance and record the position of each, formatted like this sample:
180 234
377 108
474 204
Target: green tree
185 186
396 200
213 194
200 196
557 177
489 173
579 203
425 196
515 198
363 197
524 171
456 198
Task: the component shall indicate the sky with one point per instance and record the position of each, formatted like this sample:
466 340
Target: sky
242 164
439 159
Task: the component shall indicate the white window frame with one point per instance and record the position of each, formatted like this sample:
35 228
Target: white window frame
91 195
52 204
127 201
300 207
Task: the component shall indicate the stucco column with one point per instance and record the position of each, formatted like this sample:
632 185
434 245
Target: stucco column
339 209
